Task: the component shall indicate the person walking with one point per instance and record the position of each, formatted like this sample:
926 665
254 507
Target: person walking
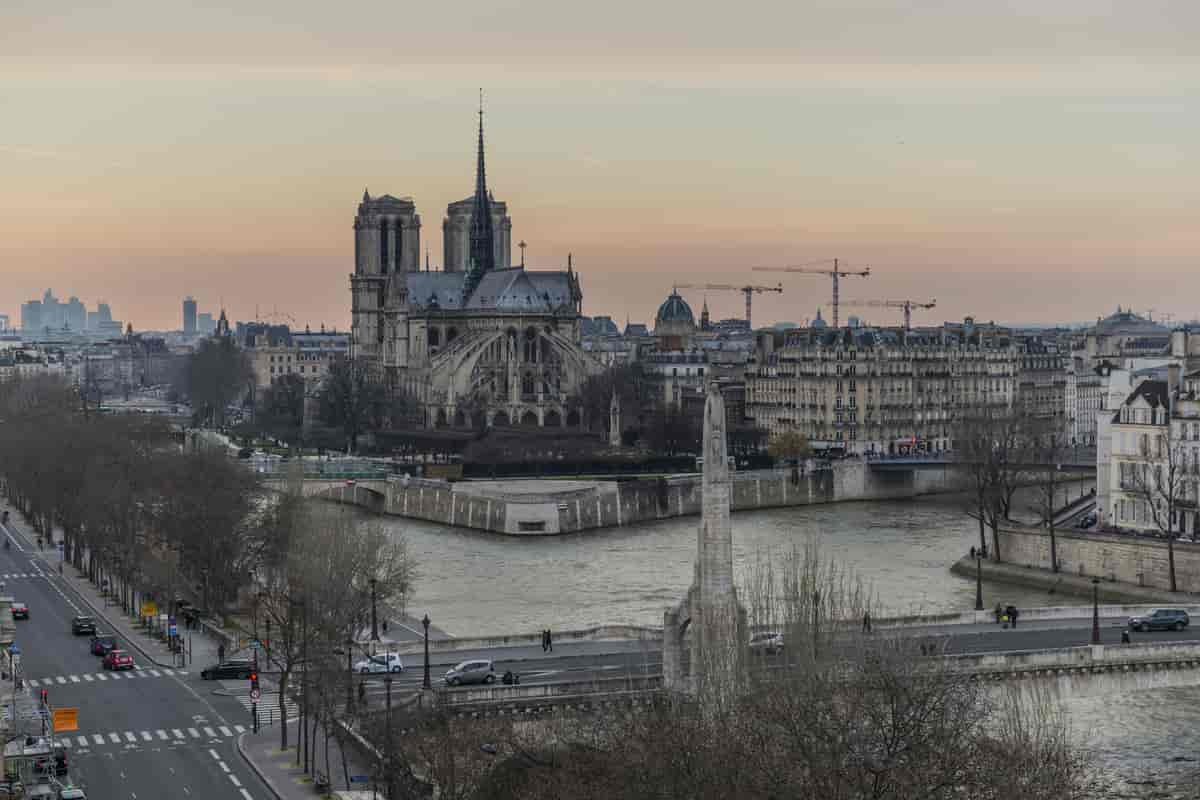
998 612
866 622
544 632
362 693
549 641
220 653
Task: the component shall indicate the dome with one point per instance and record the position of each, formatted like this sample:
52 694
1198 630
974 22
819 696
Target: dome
1126 323
674 309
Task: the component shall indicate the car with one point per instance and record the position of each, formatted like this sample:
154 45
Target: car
118 659
1161 619
82 625
102 643
380 662
233 669
20 611
471 672
71 793
766 642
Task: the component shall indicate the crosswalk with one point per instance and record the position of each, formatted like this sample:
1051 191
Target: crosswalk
268 708
202 734
99 677
9 576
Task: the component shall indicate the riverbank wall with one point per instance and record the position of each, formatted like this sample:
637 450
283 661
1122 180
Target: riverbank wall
543 508
1130 568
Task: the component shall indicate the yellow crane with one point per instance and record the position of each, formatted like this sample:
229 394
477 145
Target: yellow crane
749 291
837 272
907 305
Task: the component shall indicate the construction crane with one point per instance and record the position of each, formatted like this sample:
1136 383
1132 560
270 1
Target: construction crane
835 273
907 305
749 291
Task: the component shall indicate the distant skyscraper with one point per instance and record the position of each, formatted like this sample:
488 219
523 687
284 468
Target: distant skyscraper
31 316
189 316
74 316
205 324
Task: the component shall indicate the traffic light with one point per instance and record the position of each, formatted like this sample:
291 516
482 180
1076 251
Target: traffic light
253 680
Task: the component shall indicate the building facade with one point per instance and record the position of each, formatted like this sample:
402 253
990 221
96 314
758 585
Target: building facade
276 352
479 342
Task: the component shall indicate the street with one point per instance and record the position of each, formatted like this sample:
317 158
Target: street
141 732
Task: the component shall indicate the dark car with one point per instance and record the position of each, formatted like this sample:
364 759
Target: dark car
82 625
102 644
20 611
234 669
1161 619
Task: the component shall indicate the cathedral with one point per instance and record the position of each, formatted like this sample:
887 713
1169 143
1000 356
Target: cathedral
480 342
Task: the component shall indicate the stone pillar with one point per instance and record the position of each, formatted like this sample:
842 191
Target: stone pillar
614 421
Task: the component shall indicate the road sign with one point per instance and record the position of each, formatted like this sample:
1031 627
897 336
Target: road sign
360 778
149 608
66 719
14 650
255 694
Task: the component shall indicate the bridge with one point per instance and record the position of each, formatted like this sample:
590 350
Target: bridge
622 665
365 489
1080 460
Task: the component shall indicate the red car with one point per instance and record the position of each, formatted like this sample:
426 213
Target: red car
118 659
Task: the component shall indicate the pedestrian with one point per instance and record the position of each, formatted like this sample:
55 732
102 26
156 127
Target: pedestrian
220 653
866 622
549 641
544 632
362 692
998 612
1125 636
385 624
972 552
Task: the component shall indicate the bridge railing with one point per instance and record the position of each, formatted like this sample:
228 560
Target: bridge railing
550 693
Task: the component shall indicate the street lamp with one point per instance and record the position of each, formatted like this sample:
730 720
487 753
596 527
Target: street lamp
425 623
1095 611
349 676
978 580
387 682
374 625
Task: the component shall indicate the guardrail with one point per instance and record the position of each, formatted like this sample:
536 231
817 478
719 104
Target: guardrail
556 693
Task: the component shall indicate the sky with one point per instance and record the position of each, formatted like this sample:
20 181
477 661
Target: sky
1018 161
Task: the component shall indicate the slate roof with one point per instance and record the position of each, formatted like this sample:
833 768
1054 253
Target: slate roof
1153 392
499 290
435 289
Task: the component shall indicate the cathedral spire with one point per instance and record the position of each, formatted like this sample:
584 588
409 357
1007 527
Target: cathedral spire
483 252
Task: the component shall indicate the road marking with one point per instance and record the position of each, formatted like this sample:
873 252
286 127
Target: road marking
178 734
129 736
156 673
195 734
83 742
114 738
234 778
147 737
101 677
240 728
74 679
32 683
161 733
246 795
214 754
97 738
210 733
223 767
225 731
87 676
60 678
64 742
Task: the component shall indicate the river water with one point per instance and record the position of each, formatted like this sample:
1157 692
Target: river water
477 584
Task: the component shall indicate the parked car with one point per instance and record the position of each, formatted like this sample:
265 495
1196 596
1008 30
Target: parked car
71 793
380 662
233 669
471 672
102 643
1161 619
766 642
82 625
118 659
20 611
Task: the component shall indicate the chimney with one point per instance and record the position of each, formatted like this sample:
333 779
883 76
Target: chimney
1173 371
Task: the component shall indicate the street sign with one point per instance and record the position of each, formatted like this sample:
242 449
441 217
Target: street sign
360 778
172 630
149 608
255 694
66 719
14 650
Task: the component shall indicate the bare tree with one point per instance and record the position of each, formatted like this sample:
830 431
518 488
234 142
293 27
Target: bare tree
1049 445
1160 483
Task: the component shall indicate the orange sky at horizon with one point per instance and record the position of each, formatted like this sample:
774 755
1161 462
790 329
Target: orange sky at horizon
220 154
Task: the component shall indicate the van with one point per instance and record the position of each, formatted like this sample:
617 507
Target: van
380 662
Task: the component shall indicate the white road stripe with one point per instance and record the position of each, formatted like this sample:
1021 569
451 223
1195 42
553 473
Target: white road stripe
97 738
156 673
235 780
225 731
130 737
147 737
32 683
178 734
194 733
213 753
240 728
115 738
224 767
161 733
87 676
83 741
246 795
61 679
64 742
210 733
74 679
100 676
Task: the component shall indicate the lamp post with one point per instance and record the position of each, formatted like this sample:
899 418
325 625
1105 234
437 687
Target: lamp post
374 622
978 580
425 623
1095 611
349 676
387 682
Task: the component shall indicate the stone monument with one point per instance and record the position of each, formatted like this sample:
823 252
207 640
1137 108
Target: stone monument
711 609
614 421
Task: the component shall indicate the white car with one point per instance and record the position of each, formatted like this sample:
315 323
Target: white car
766 642
380 662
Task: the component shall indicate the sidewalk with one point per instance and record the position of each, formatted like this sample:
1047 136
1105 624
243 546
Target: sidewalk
287 781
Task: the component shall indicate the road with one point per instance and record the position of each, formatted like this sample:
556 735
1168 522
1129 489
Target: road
148 733
591 660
